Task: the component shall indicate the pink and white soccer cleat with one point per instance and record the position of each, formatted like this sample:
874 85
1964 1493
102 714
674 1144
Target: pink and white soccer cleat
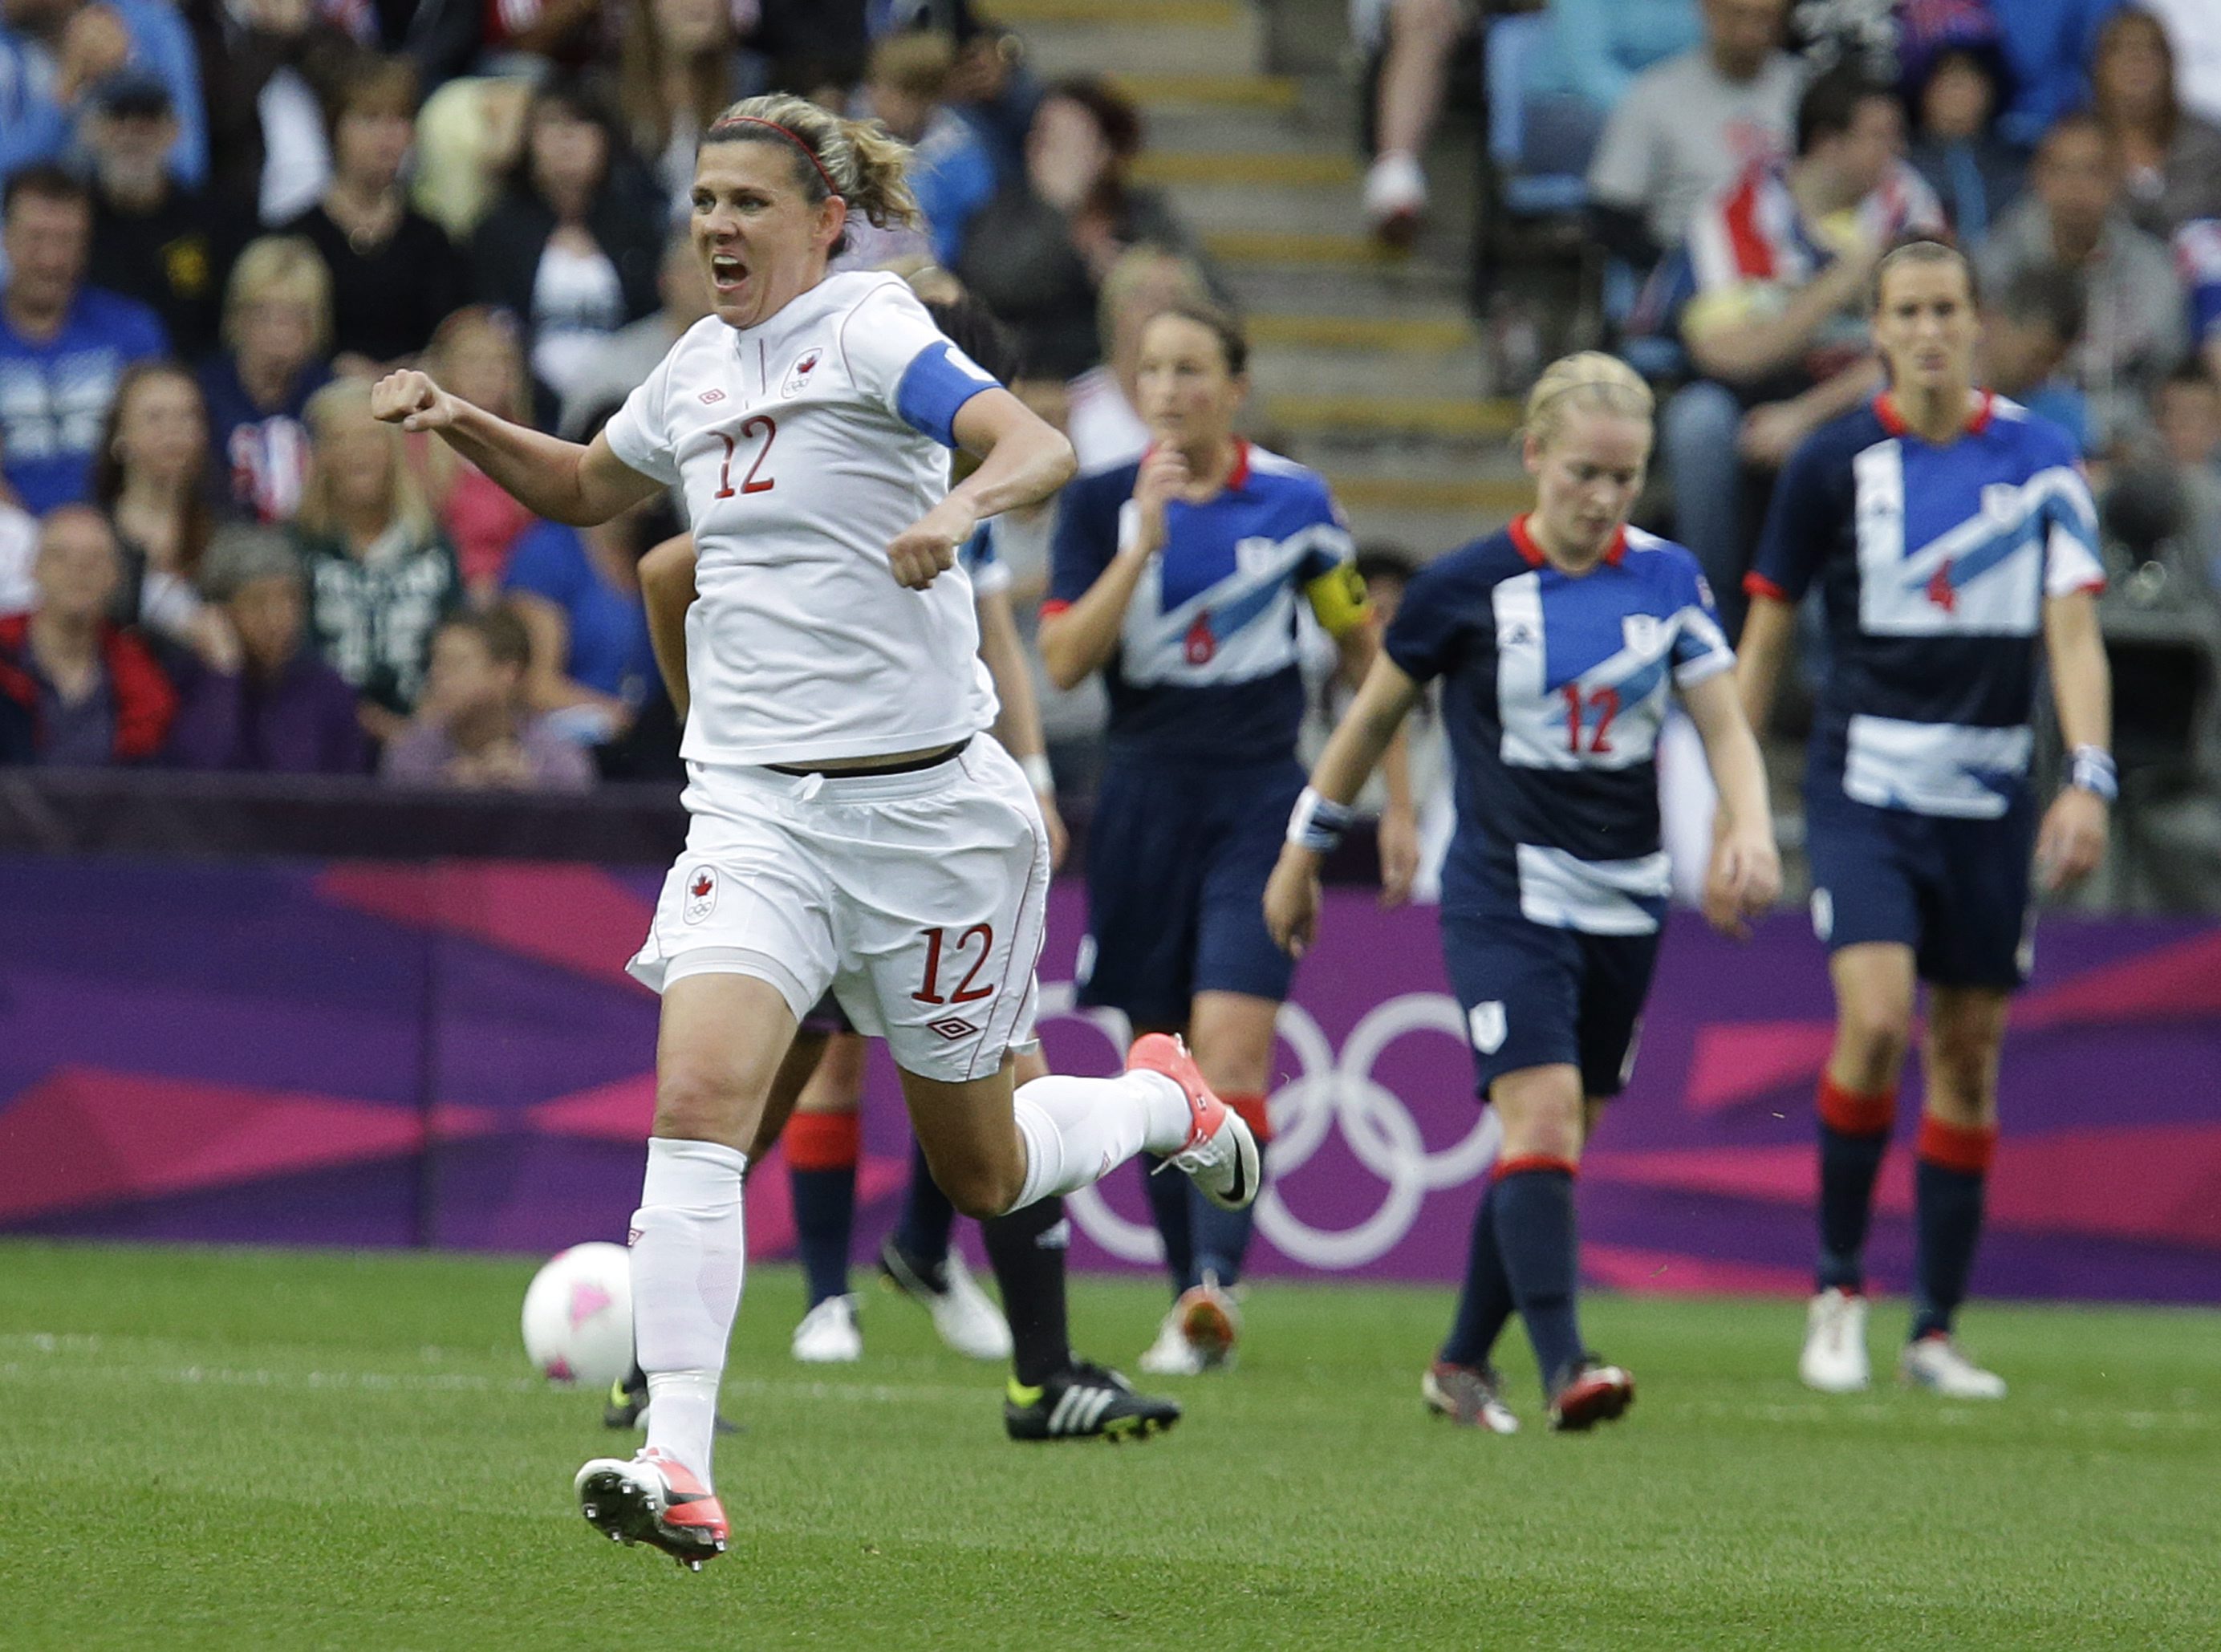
1221 1155
1595 1392
654 1498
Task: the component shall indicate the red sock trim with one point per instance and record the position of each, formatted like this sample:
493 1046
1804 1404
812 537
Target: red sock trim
824 1141
1252 1110
1527 1162
1848 1113
1954 1147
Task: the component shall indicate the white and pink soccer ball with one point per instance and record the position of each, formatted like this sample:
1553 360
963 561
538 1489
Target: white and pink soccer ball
578 1316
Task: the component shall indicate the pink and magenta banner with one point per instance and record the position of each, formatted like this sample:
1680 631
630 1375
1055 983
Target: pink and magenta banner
371 1054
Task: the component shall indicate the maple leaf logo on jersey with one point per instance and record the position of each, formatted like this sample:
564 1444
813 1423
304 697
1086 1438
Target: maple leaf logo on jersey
1940 591
701 895
797 376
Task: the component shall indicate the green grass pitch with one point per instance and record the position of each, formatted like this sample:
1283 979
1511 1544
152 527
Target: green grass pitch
213 1449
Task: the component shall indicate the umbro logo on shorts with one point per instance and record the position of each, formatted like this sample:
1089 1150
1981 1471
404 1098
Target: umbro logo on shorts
713 396
952 1027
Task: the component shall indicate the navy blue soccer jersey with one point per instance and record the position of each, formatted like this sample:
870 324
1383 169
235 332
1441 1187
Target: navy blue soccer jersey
1205 665
1934 564
1554 689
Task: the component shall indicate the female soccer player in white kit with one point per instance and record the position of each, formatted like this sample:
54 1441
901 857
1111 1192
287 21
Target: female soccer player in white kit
853 827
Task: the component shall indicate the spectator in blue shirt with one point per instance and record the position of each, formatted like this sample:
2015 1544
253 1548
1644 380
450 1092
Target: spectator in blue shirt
53 51
953 174
578 593
63 345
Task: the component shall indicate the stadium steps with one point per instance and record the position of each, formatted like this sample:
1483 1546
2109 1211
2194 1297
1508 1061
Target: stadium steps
1368 363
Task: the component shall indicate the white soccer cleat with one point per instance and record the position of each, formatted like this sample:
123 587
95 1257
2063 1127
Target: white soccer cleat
654 1498
963 1315
827 1333
1221 1156
1937 1364
1835 1357
1172 1355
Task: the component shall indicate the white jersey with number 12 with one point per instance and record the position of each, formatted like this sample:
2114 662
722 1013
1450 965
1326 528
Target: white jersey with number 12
801 447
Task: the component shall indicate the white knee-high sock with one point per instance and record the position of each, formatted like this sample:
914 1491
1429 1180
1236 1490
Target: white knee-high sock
1077 1130
687 1251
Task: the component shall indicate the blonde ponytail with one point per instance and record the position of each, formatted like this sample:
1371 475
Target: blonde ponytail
1590 379
858 161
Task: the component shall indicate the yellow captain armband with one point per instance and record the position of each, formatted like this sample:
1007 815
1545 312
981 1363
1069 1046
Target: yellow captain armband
1338 600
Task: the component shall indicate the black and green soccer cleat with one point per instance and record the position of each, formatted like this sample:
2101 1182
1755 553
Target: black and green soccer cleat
1086 1401
626 1405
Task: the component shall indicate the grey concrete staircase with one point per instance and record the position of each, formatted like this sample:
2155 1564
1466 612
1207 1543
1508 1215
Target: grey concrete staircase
1367 365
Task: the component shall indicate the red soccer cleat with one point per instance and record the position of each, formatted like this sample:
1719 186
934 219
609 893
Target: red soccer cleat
1595 1392
654 1498
1220 1155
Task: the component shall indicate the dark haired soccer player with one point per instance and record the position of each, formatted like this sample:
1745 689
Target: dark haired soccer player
1179 576
1949 532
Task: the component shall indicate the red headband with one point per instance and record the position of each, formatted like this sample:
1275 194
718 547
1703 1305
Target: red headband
808 154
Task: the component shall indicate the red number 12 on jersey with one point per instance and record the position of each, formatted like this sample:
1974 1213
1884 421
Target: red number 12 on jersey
756 424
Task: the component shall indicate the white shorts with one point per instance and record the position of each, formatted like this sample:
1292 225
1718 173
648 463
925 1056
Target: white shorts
920 899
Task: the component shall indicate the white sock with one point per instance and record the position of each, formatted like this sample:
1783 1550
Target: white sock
1078 1130
687 1251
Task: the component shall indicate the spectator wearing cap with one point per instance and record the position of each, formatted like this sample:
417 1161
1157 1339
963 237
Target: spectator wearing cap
2075 218
53 53
63 345
276 336
155 239
281 710
394 271
94 695
473 731
1955 84
2170 158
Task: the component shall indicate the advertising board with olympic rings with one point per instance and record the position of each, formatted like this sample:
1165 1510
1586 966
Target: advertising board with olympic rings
1370 1167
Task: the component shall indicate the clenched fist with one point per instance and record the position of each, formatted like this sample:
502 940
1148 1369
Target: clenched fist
411 400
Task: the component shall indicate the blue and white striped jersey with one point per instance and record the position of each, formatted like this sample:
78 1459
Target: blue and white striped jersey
1553 689
1934 564
1206 666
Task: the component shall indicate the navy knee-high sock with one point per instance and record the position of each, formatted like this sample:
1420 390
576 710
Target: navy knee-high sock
1948 1188
821 1156
1854 1136
1534 1200
1219 1239
1168 1206
1485 1302
1027 1250
926 1218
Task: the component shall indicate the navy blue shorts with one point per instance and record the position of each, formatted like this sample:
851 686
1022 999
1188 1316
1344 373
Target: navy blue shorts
1956 891
1178 857
1534 995
826 1017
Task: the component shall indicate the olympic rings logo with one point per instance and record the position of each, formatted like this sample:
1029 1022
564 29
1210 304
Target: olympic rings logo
1331 1092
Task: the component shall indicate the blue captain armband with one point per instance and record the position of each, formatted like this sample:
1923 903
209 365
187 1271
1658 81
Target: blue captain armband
935 387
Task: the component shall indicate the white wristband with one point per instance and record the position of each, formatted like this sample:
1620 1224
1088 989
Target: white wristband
1317 824
1039 775
2090 768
